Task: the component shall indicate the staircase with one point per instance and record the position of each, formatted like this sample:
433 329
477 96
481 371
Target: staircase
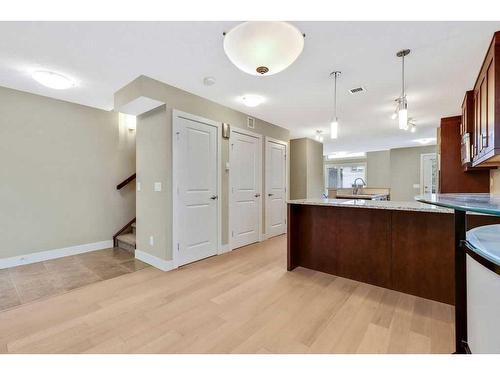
125 237
126 240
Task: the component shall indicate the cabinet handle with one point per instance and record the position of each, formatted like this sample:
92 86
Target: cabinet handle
214 197
257 195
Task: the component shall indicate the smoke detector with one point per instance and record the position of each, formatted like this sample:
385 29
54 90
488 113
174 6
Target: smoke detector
357 90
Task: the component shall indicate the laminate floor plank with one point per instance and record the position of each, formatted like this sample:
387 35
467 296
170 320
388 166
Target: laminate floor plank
240 302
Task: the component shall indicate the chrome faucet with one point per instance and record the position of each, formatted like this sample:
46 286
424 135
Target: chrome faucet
355 187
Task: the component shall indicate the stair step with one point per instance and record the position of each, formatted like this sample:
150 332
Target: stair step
126 242
128 238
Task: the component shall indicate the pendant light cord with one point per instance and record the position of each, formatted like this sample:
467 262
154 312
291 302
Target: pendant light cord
335 97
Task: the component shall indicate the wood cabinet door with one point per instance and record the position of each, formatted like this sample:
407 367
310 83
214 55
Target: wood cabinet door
490 106
477 122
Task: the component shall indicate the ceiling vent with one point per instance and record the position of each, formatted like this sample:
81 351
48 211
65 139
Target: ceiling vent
250 122
357 90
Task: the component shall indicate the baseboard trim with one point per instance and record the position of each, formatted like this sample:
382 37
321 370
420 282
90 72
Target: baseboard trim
54 254
161 264
224 249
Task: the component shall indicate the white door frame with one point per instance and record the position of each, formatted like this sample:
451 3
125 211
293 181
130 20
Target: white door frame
287 180
422 169
261 179
176 114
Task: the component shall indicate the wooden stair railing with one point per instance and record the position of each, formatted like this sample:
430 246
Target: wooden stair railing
125 182
125 227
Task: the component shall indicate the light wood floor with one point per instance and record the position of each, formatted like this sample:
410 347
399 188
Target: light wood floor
241 302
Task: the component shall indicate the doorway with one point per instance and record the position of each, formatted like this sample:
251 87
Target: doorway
428 173
196 187
276 182
245 206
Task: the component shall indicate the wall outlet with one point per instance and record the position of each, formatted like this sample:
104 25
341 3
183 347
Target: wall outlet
151 240
157 186
138 185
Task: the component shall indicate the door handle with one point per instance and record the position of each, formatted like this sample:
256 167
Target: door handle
214 197
257 195
270 194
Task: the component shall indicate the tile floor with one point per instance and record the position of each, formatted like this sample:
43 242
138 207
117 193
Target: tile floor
23 284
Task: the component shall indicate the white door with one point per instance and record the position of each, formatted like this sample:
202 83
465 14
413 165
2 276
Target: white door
246 188
197 188
428 171
275 188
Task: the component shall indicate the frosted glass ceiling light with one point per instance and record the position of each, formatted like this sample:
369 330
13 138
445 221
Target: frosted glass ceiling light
334 125
263 47
251 100
53 80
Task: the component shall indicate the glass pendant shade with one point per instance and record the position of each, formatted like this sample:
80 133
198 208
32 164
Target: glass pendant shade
334 129
403 119
263 47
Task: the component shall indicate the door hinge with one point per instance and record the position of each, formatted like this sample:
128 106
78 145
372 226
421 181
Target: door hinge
178 246
232 233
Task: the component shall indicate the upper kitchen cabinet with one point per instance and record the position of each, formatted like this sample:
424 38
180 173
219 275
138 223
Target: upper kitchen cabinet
452 178
486 138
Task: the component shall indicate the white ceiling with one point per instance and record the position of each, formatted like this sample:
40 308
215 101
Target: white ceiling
104 57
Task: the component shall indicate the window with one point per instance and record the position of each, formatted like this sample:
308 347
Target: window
339 176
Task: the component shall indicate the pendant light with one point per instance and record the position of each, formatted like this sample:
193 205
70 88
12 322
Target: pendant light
402 108
319 136
263 48
334 125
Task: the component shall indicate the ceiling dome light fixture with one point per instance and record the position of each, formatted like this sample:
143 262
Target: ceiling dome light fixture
263 47
402 107
251 100
53 80
334 125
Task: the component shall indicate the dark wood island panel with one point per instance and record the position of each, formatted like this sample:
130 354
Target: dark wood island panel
408 251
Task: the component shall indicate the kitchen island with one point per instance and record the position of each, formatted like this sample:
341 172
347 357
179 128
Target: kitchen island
405 246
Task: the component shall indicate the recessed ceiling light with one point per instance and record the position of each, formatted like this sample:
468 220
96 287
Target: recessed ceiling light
53 80
425 141
252 100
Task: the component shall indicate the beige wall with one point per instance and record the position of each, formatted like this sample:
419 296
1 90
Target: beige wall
155 223
306 169
61 163
315 178
378 169
298 168
405 171
397 169
153 165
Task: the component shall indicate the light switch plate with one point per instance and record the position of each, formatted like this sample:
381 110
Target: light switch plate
138 185
151 240
416 186
157 186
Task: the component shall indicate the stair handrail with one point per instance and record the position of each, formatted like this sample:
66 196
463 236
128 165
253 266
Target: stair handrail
126 182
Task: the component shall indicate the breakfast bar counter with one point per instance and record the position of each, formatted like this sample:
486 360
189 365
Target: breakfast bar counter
405 246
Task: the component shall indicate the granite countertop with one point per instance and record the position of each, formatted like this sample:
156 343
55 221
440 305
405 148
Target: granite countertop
362 196
382 205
